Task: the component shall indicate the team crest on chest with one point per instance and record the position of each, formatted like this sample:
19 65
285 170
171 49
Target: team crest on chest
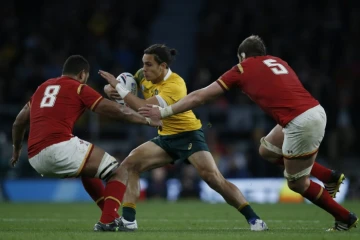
156 92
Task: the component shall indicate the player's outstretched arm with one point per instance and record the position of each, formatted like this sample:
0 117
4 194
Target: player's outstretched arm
18 132
191 101
120 112
196 98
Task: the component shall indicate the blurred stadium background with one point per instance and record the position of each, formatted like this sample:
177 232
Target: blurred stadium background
319 39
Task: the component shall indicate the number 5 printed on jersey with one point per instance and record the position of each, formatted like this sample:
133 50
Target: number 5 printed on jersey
50 96
276 68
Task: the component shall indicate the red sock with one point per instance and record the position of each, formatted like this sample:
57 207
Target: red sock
320 197
320 172
114 193
96 189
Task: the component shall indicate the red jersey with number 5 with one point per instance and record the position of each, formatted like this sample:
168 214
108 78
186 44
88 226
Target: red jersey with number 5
54 109
272 84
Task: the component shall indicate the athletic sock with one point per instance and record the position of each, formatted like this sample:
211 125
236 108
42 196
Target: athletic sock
96 189
246 210
114 192
316 194
129 211
322 173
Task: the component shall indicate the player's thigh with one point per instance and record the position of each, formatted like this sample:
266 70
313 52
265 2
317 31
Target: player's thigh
271 144
146 157
296 165
99 164
304 134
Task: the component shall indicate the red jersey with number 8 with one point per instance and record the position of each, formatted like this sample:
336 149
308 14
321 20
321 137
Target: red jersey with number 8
272 84
54 109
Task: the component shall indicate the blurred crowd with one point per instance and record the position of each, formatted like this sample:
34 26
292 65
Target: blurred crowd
317 38
34 44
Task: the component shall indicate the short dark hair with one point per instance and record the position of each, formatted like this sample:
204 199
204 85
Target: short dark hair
162 53
75 64
252 46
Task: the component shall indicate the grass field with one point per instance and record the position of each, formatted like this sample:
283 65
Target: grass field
164 220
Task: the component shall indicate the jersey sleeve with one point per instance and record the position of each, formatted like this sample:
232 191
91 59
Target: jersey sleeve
231 78
89 96
173 92
139 75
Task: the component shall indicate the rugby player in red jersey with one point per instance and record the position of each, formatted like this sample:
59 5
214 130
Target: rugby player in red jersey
294 142
54 152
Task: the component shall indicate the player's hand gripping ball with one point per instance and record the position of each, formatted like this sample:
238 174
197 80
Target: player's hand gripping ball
128 81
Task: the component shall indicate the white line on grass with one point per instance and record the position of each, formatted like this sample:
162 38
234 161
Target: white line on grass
152 220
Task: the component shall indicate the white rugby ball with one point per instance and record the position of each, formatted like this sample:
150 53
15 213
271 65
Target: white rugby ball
128 81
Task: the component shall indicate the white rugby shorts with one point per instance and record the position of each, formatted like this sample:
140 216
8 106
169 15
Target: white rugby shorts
62 160
303 135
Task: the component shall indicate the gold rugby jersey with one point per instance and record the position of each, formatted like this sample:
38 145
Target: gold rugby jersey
171 89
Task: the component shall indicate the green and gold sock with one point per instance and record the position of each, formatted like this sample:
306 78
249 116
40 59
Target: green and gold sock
246 210
128 211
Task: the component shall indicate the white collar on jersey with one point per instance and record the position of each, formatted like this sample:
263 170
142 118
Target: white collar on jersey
168 74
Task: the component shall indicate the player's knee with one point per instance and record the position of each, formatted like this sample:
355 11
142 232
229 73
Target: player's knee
120 174
131 164
213 178
294 185
300 181
128 164
300 185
